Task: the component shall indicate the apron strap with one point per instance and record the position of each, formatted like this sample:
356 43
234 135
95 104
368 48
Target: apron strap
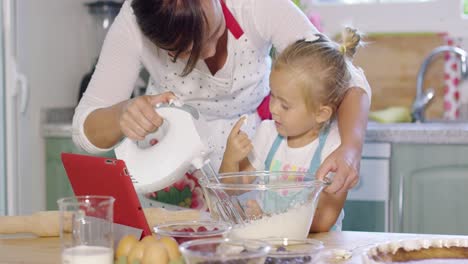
315 164
316 160
271 153
283 202
231 22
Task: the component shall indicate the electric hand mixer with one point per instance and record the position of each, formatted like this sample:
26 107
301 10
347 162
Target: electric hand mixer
179 147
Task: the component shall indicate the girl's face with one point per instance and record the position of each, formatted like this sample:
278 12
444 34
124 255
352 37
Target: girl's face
215 28
289 111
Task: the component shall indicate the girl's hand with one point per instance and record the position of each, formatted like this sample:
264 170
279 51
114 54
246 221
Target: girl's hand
253 210
238 144
345 162
138 117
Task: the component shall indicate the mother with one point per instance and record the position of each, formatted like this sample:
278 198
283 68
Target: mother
214 55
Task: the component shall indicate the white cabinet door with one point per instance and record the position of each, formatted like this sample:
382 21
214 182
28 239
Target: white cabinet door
435 200
429 189
367 204
373 181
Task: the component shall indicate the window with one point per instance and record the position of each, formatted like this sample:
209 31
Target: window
464 3
369 1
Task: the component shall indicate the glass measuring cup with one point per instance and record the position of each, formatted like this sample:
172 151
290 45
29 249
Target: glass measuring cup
86 231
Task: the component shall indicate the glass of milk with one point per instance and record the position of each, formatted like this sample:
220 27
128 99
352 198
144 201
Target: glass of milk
86 232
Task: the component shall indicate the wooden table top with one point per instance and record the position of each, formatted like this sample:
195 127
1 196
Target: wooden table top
47 250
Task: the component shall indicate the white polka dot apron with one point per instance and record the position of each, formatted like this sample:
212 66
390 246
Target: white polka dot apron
236 89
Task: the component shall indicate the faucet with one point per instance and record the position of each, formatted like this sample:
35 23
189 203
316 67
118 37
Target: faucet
423 98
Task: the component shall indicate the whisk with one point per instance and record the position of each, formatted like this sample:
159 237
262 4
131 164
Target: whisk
229 208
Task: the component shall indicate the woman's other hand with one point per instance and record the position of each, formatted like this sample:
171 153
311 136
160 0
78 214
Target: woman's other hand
138 117
344 162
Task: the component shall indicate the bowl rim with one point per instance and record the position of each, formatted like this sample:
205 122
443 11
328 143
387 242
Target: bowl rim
263 251
318 245
225 228
312 182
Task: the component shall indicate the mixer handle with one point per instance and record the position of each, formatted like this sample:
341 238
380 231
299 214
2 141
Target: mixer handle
157 136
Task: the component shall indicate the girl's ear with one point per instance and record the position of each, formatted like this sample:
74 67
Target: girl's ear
324 114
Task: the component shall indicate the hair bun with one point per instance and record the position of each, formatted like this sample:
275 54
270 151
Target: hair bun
351 39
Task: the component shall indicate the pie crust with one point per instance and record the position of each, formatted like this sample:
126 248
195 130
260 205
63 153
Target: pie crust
420 251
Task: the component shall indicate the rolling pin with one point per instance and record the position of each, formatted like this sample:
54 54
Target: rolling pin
47 223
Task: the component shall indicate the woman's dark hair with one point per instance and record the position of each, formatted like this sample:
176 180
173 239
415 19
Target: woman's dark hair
173 25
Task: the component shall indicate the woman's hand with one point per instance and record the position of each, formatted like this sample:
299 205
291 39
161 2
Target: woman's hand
344 162
238 144
138 117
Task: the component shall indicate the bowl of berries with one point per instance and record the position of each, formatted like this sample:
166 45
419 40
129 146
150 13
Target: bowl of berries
224 250
293 251
183 231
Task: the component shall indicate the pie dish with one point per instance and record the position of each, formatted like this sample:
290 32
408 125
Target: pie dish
419 251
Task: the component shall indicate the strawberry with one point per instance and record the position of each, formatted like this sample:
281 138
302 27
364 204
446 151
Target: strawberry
201 229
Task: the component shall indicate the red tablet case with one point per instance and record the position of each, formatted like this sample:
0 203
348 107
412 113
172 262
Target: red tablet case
91 175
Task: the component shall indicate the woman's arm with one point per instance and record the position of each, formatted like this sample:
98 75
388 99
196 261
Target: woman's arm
352 123
292 26
110 86
101 126
132 118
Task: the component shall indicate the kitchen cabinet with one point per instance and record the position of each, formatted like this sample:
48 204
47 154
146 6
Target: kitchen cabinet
57 184
367 204
428 188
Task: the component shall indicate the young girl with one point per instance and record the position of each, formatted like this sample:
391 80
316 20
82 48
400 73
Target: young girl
308 81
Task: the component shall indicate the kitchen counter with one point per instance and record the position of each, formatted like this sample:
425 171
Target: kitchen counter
57 123
47 250
418 133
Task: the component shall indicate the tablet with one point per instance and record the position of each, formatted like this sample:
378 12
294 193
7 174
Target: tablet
91 175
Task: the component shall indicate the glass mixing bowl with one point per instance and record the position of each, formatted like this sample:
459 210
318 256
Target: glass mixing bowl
224 250
183 231
272 204
293 251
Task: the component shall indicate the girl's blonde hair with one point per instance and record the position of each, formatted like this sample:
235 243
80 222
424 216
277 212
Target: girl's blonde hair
321 68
